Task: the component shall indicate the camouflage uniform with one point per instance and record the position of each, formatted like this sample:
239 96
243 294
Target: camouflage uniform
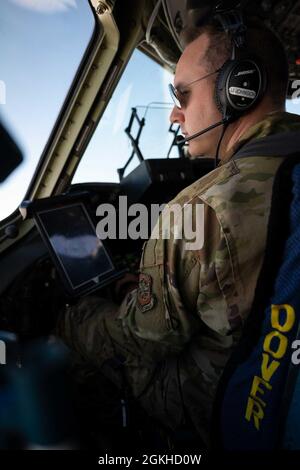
174 333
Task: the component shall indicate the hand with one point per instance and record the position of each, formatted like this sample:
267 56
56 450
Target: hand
126 284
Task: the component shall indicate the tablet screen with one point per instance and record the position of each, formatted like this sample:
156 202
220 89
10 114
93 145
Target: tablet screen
71 234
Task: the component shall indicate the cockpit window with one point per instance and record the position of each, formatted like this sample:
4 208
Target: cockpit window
293 105
143 86
41 47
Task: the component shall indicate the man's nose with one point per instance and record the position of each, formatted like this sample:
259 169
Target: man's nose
176 116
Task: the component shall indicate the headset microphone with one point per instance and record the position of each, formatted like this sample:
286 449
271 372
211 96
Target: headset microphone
181 140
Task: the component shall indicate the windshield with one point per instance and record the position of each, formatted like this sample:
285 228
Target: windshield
144 85
293 105
42 45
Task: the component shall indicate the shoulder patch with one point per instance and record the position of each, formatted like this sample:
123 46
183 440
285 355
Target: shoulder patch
146 299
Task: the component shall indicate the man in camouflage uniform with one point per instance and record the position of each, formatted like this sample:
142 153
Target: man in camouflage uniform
174 333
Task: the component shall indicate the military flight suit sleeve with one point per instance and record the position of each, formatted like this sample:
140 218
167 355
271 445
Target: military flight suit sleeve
159 318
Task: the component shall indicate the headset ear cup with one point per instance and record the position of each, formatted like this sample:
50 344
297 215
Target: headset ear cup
217 95
239 86
220 92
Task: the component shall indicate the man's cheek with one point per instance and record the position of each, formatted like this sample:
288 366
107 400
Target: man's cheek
197 119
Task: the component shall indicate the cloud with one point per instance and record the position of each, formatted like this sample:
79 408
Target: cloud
46 6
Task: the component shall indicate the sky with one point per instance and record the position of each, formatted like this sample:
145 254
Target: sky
42 43
40 51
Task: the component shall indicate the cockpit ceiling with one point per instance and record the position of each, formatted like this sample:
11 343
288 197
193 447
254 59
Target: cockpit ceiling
282 15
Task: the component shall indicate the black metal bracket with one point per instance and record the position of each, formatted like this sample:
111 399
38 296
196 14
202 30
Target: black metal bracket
134 141
174 142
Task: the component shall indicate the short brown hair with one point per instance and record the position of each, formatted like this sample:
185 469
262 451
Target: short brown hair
261 42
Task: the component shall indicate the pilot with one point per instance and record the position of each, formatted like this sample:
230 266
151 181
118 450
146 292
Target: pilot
174 331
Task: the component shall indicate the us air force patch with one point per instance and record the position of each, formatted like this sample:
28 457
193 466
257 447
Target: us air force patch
145 297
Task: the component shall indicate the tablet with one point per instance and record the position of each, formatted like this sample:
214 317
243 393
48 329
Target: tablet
81 258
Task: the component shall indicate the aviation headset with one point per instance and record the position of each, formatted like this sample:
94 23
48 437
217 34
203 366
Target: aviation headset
241 82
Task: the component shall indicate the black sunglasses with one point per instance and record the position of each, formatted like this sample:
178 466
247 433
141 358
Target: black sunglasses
178 95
